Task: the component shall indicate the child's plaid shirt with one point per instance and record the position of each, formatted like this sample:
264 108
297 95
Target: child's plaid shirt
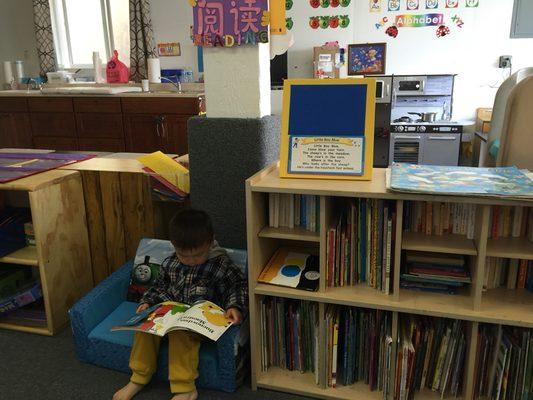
218 280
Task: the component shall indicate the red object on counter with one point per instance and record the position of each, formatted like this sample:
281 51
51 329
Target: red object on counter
116 71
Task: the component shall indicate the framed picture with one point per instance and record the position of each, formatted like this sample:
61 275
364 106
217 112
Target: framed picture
367 59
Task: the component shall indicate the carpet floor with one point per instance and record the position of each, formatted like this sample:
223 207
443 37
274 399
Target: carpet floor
46 368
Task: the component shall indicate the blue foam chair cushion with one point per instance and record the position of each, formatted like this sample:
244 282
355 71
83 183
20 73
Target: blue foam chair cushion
221 363
121 314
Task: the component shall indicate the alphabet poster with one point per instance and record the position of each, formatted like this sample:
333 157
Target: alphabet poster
328 129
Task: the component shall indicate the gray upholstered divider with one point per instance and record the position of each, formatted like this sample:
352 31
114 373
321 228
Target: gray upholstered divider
223 153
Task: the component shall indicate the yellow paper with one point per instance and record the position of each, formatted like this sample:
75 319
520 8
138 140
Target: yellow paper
169 169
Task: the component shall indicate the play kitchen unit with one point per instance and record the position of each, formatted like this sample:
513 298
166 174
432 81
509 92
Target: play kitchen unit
413 121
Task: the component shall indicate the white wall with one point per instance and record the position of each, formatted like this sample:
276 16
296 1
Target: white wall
171 20
471 52
18 36
300 57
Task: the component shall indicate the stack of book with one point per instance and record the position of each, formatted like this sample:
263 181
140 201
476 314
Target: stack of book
29 233
434 272
294 210
510 273
360 247
434 218
289 330
359 347
431 354
504 363
506 221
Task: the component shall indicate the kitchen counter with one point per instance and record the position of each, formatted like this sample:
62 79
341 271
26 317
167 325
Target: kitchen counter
156 94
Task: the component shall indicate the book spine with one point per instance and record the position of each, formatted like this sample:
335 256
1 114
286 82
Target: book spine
517 221
522 273
291 211
495 221
429 218
271 210
471 227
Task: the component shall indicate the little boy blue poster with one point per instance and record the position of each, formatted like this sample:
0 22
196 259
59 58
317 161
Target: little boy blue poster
328 128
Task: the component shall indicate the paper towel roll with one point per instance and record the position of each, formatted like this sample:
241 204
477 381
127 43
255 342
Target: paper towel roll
154 70
8 72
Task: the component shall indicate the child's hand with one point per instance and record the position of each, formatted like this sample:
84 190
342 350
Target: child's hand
234 315
141 308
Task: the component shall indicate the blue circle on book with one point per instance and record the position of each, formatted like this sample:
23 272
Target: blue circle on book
290 270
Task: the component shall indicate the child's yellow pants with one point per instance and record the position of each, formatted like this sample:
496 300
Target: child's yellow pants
183 348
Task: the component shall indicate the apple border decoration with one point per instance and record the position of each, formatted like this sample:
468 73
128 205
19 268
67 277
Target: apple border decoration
329 22
329 3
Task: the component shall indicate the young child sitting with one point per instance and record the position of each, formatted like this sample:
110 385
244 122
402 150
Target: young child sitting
199 270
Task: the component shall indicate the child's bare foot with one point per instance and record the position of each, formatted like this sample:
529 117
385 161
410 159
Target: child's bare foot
128 391
186 396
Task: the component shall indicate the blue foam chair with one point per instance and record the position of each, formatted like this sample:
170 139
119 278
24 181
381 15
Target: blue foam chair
222 363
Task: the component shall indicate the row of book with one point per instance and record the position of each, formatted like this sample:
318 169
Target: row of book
504 363
507 221
431 354
289 330
360 248
436 218
508 272
434 272
359 347
294 210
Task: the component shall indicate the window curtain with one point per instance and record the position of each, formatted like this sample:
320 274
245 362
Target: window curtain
45 36
141 39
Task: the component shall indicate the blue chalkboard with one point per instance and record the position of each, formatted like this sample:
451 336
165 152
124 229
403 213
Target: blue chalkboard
327 110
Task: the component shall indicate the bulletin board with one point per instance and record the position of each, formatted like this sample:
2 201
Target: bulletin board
328 129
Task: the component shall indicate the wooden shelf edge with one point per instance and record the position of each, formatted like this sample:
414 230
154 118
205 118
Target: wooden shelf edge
455 244
437 305
25 256
28 329
304 384
510 248
297 233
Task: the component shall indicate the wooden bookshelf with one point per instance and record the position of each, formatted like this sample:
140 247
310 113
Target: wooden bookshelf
499 306
520 248
61 253
297 233
453 244
25 256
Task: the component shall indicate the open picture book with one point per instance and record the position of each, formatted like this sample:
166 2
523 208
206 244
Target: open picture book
203 317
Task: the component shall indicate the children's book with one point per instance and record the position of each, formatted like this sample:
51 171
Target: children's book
203 317
292 269
489 182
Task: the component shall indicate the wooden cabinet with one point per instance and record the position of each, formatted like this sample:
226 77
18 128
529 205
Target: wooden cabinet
55 143
15 130
115 124
143 132
52 121
153 132
159 123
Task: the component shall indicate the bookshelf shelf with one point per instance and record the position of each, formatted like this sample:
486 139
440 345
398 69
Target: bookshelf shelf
296 233
40 330
511 307
498 306
355 296
520 248
304 384
455 244
24 256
